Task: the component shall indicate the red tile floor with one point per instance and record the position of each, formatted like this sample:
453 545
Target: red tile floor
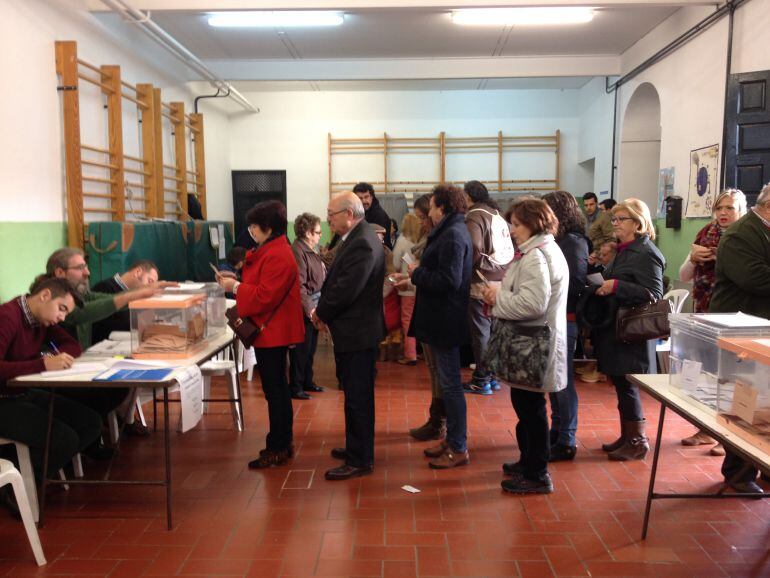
291 522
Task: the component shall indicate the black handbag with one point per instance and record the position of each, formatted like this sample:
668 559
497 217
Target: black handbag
244 328
644 322
518 354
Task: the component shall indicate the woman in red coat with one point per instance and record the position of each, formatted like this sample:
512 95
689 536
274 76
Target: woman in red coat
269 295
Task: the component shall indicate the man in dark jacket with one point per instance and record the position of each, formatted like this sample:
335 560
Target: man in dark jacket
140 275
351 306
743 284
373 211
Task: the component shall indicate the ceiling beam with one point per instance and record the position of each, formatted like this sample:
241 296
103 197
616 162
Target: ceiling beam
404 69
213 5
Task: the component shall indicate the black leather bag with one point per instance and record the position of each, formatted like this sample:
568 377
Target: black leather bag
244 328
644 322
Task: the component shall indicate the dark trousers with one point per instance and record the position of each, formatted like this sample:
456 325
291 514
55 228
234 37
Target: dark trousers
271 363
532 432
301 360
447 360
101 400
733 464
357 369
480 326
25 419
629 400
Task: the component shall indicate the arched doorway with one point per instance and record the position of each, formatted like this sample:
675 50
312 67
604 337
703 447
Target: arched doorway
639 164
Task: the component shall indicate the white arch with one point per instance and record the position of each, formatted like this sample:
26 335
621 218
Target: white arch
639 163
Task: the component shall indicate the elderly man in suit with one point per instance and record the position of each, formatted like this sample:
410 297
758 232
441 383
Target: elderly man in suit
351 306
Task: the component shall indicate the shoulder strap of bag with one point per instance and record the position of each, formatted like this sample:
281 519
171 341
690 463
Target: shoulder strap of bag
274 311
495 214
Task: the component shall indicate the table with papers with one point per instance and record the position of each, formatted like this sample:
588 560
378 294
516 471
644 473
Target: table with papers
165 375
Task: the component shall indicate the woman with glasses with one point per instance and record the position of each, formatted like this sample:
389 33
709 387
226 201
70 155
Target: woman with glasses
700 268
269 296
312 273
634 277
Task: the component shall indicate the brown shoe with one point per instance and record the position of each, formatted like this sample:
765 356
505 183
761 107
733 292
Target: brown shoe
717 450
430 430
618 443
269 459
437 450
636 445
450 459
699 438
593 377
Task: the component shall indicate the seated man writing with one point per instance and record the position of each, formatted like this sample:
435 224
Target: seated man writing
29 326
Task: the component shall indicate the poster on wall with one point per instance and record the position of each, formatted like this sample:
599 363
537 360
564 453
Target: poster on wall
665 189
703 181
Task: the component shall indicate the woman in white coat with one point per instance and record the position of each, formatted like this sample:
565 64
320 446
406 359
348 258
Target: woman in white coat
534 293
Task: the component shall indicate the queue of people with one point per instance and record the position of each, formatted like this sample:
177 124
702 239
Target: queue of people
464 273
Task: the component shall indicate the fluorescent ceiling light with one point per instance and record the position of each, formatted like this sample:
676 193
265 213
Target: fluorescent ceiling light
275 19
522 16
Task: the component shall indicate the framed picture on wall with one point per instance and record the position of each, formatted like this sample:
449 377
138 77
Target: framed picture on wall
704 186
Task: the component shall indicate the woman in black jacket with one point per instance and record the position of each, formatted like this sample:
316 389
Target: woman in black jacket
575 245
442 279
634 277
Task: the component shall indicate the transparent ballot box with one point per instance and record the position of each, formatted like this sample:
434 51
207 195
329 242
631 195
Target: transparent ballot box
744 392
168 326
697 364
216 303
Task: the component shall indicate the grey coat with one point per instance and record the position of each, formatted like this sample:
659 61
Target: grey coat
638 269
534 291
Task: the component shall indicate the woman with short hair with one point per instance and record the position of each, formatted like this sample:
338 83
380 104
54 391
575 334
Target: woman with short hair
634 277
269 296
534 295
312 272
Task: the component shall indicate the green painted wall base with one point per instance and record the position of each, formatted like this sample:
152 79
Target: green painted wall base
675 243
24 249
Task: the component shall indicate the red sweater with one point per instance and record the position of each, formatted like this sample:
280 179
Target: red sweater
22 343
270 275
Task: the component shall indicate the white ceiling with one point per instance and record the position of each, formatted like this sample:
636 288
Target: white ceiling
402 48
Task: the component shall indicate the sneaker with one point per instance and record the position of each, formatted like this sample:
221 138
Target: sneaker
522 485
479 389
494 385
698 439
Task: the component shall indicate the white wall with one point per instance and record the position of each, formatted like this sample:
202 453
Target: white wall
290 133
31 168
595 108
690 82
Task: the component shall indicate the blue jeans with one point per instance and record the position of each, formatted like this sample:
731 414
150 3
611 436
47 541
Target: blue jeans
564 403
448 364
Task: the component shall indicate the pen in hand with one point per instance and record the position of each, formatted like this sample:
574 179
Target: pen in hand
53 347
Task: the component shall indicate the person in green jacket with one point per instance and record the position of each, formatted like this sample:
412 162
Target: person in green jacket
743 284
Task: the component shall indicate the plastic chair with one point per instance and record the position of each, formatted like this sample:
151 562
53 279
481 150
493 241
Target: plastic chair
10 475
677 297
220 368
112 417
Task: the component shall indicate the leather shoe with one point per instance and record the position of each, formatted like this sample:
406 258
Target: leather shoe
299 395
315 388
339 454
748 487
345 472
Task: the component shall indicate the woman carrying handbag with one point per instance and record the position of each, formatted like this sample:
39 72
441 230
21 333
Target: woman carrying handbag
528 345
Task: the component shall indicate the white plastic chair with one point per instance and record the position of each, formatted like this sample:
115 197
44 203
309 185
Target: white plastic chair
677 298
112 417
10 475
214 368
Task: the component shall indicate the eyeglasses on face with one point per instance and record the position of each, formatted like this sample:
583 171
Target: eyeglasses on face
615 220
332 213
81 267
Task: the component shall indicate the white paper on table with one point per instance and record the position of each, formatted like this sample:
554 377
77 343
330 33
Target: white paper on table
595 279
186 287
76 369
690 373
108 348
222 247
191 392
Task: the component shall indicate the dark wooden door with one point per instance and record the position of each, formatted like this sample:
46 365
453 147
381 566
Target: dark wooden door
747 123
252 187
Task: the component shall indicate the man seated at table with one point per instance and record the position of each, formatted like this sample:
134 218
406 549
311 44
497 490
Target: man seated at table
29 326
